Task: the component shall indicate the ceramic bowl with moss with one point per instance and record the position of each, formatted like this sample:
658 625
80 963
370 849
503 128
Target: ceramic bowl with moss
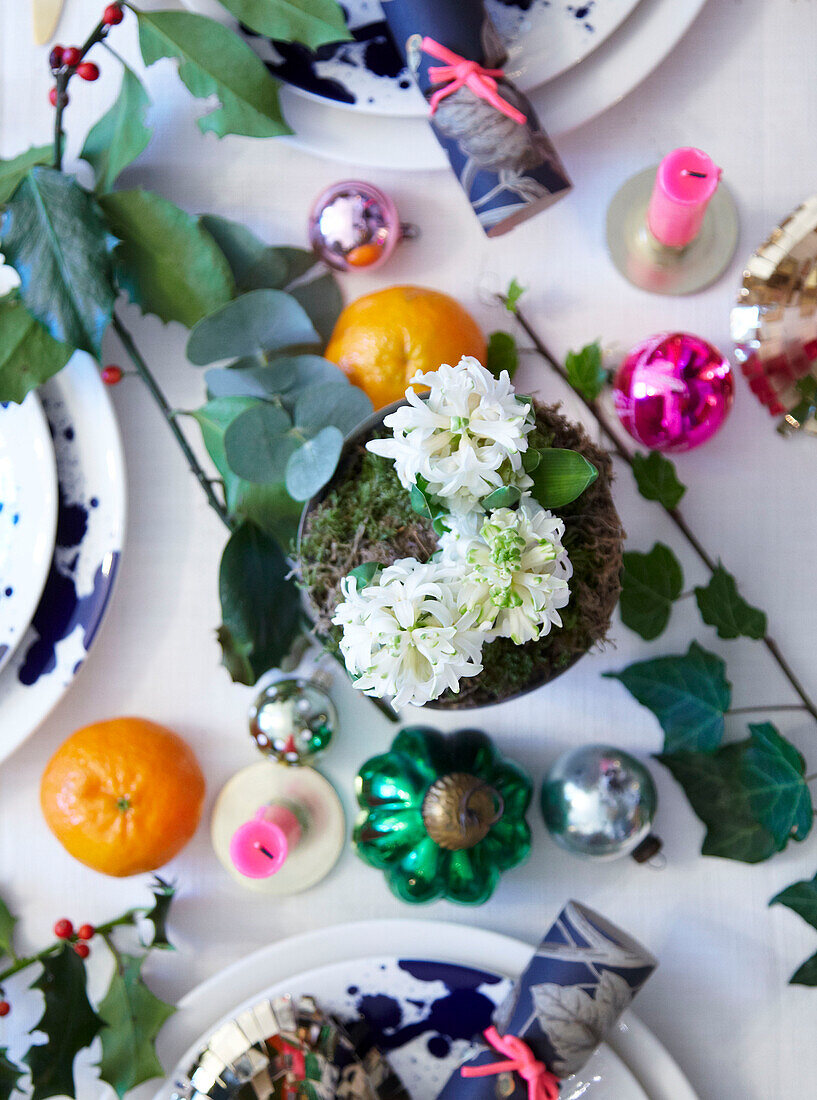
364 515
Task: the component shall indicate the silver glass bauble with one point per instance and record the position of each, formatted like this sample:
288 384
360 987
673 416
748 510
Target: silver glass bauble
293 720
355 225
600 802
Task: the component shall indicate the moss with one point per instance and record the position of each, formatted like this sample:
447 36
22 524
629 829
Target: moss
366 516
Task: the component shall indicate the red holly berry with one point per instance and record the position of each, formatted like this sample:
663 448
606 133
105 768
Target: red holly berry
88 70
52 97
86 932
111 375
63 929
71 56
82 949
55 57
112 15
5 1008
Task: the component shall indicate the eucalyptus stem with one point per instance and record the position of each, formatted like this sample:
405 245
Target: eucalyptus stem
97 35
103 930
147 376
623 453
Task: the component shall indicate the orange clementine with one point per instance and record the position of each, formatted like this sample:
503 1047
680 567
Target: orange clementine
381 340
123 796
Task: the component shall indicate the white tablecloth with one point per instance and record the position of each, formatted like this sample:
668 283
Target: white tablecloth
741 86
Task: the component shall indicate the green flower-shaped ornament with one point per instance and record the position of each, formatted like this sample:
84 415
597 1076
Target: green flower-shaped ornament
442 816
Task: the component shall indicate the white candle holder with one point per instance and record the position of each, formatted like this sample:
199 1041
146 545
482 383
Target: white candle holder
647 263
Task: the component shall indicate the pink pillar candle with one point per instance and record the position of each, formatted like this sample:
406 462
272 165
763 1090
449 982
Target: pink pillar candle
685 182
259 848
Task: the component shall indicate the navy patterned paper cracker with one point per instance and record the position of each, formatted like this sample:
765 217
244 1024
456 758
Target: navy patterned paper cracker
583 975
509 170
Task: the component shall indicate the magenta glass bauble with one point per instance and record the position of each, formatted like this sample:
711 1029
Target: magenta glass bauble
673 391
354 225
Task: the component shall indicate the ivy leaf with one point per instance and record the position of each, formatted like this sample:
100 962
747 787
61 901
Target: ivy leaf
513 294
805 974
133 1017
54 234
68 1022
364 574
649 585
12 172
312 23
259 442
215 61
689 695
775 785
118 138
335 404
722 606
29 355
656 479
284 379
7 923
254 324
502 354
584 371
165 261
313 464
506 496
261 608
10 1075
163 894
801 898
561 476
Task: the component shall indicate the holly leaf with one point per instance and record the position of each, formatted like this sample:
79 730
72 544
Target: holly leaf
513 294
133 1017
722 606
260 606
650 583
801 898
118 138
502 354
7 923
656 479
561 476
311 23
29 355
774 776
213 61
689 695
163 894
10 1075
255 324
12 172
584 371
68 1023
54 234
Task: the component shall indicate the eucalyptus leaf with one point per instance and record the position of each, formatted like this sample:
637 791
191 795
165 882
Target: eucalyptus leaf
284 379
7 923
313 464
214 61
364 574
259 442
118 138
503 354
506 496
13 171
332 403
722 606
561 476
584 371
260 606
165 261
689 695
322 300
241 248
54 235
312 23
259 322
29 355
656 479
650 583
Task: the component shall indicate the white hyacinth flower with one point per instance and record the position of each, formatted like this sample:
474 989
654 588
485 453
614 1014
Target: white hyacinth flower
465 438
518 573
405 636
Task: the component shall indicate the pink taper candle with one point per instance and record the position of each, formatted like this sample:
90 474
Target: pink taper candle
259 848
685 182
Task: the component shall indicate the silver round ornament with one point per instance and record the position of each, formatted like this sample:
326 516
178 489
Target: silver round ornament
293 720
600 802
354 225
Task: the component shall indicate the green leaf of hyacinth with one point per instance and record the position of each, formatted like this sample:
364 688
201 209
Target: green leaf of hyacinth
513 294
13 171
650 583
689 695
157 915
313 464
312 23
584 371
54 235
29 355
283 380
7 923
331 404
259 442
215 61
255 324
722 606
261 608
531 459
165 261
502 354
68 1023
118 138
561 476
10 1075
427 506
364 574
133 1017
506 496
656 479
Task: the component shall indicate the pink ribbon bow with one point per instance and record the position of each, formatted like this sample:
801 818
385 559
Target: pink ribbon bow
542 1084
458 72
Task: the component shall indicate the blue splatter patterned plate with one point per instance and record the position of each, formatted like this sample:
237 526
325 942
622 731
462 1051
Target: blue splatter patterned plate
89 538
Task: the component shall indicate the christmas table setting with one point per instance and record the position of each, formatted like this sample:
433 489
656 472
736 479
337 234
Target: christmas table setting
487 334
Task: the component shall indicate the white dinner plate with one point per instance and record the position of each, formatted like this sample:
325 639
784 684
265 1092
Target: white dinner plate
342 965
89 540
28 516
